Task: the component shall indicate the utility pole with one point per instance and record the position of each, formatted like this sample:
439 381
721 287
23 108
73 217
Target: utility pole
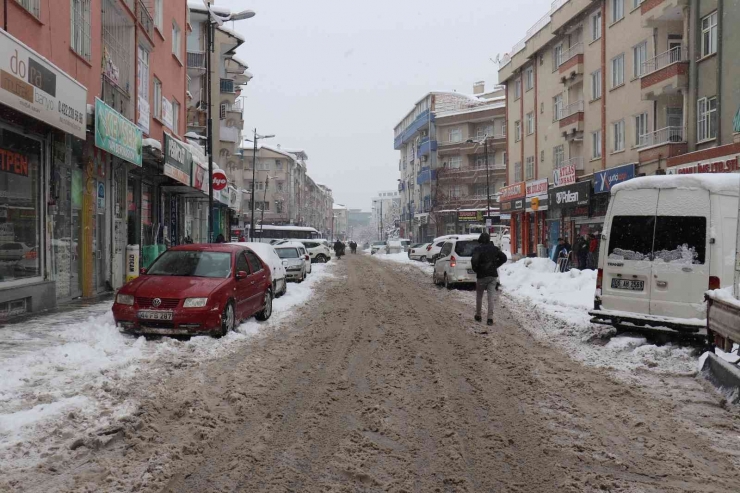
488 182
264 200
254 178
209 129
381 220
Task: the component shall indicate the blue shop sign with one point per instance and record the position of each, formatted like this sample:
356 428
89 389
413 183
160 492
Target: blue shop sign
604 180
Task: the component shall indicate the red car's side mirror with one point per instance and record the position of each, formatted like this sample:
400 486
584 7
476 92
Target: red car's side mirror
142 271
241 275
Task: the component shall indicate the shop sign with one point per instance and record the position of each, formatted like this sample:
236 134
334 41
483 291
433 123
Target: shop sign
13 163
233 198
177 160
32 85
470 216
222 196
722 165
101 197
116 134
219 180
570 197
515 191
199 177
565 175
537 187
144 116
536 199
167 113
173 219
604 180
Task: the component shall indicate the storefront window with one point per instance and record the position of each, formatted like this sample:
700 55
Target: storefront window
20 217
147 219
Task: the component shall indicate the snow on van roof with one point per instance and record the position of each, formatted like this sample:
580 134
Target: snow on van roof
724 182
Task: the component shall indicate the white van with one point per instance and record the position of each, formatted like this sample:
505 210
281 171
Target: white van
666 241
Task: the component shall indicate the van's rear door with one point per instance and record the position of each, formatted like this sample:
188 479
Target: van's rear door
627 251
681 254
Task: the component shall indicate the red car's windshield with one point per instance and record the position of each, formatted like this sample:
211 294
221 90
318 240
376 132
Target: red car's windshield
192 264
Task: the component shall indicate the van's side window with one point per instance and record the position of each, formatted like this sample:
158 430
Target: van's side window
680 239
631 237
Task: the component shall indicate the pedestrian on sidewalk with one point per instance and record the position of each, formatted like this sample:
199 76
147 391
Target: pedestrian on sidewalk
486 260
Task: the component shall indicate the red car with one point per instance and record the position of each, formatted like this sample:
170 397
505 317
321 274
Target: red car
196 289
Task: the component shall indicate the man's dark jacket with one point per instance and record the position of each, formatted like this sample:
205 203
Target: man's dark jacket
486 260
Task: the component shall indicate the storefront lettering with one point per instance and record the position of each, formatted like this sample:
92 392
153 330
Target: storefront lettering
727 166
566 197
12 162
177 152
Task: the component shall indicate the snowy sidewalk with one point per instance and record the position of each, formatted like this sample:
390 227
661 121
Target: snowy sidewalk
63 373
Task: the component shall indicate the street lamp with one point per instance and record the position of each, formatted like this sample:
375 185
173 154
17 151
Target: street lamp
254 174
214 20
484 141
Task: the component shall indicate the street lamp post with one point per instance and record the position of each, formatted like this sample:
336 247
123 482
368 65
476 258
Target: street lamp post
214 20
488 180
254 177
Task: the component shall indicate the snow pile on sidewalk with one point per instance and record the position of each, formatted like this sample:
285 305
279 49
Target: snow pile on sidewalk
403 258
63 374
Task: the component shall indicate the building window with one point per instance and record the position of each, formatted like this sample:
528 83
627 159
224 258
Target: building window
639 57
530 123
557 107
503 128
709 34
558 156
517 89
707 124
143 82
517 172
542 156
454 192
618 71
617 10
81 28
530 168
176 41
278 165
596 26
454 162
528 78
175 116
481 190
279 206
157 99
158 15
636 3
455 135
33 6
517 131
503 158
596 144
280 186
618 134
557 56
263 165
596 85
641 128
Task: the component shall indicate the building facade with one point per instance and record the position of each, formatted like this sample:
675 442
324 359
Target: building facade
599 92
341 223
386 210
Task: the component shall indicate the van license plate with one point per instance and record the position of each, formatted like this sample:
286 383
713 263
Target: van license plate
471 271
155 315
628 284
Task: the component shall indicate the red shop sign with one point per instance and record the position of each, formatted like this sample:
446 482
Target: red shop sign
219 180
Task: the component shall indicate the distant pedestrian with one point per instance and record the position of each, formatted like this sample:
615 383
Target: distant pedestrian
593 252
486 260
220 238
582 249
339 249
562 254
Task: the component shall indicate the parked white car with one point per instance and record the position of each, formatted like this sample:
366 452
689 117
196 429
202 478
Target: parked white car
394 246
376 247
319 252
267 253
418 251
435 247
406 244
295 259
453 266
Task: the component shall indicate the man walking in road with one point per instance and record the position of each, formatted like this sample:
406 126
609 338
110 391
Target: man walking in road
486 260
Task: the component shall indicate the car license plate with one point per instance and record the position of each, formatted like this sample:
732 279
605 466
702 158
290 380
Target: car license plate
628 284
471 271
155 315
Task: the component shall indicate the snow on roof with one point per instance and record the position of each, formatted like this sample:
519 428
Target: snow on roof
717 183
442 114
153 143
231 32
240 61
339 207
250 146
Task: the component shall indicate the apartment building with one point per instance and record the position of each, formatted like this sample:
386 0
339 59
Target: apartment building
471 147
387 208
417 138
340 227
597 92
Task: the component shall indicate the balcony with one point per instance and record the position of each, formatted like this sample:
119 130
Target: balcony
656 12
228 134
146 20
571 61
570 117
227 86
197 60
666 74
426 147
664 143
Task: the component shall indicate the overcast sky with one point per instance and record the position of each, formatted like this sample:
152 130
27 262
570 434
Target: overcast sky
334 77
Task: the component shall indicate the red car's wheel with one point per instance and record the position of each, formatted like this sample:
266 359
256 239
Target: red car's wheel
267 310
228 319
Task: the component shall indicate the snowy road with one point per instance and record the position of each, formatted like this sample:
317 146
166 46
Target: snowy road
382 382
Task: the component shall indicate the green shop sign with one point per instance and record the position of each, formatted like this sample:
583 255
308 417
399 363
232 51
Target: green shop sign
116 134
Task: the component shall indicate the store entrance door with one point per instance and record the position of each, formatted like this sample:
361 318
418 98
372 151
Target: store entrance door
101 275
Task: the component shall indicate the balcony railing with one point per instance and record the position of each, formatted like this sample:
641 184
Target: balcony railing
197 60
566 111
565 55
665 135
674 55
577 162
145 19
227 85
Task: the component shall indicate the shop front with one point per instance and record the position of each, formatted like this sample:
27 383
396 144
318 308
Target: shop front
535 215
42 132
569 207
511 204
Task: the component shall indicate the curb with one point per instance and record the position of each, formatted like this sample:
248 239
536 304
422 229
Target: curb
722 375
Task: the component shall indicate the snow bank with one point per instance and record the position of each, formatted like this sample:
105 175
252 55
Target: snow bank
403 258
73 371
